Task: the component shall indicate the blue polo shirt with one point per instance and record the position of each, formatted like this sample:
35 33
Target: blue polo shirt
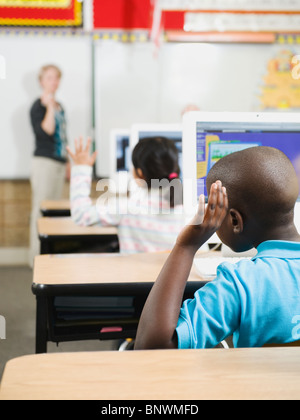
257 301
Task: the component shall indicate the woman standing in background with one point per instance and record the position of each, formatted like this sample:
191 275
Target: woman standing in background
50 157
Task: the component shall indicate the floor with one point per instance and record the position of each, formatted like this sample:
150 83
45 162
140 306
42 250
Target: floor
17 305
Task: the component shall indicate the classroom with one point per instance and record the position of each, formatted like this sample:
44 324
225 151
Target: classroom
149 202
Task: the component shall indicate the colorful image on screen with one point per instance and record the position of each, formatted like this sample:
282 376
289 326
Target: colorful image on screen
214 145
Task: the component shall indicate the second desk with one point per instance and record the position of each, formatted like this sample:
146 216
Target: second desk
55 208
61 235
81 280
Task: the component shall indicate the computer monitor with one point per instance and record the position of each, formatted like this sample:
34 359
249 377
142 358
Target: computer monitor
207 137
170 131
120 153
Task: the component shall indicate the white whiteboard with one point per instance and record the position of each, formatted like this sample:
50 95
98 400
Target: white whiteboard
126 91
24 55
133 85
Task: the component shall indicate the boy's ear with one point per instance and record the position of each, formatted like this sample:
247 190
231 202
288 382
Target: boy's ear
237 222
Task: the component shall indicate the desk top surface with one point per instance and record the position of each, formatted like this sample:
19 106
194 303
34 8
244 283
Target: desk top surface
100 268
64 226
55 205
155 375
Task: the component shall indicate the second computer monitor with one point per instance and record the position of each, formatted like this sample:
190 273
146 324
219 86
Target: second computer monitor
120 154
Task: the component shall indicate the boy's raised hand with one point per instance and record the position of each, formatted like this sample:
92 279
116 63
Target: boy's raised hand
161 311
207 221
82 154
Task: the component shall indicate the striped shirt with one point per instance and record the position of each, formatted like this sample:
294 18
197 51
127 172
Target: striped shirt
145 221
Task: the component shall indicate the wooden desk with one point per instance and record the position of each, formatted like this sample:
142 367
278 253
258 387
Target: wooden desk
60 208
76 269
57 231
55 208
235 374
94 275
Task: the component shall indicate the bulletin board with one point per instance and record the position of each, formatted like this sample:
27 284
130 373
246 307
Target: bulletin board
37 13
122 14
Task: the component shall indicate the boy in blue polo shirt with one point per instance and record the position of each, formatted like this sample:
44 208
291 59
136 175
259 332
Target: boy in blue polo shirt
251 204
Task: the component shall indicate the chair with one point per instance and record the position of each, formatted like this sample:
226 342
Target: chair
292 344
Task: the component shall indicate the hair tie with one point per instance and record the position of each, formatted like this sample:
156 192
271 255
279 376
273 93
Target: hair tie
173 175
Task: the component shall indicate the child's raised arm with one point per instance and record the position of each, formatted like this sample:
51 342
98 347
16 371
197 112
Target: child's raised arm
82 155
157 326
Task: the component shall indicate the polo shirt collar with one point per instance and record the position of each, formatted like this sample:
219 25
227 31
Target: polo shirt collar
278 249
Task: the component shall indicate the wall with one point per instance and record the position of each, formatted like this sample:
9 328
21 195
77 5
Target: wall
137 84
14 213
24 55
15 208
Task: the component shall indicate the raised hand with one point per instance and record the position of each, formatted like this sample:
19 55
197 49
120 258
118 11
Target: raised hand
207 221
82 154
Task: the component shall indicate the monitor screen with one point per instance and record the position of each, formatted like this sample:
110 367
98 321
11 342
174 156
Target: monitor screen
120 152
123 153
213 143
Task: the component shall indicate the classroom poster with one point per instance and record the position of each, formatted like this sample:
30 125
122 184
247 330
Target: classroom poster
36 3
41 13
281 91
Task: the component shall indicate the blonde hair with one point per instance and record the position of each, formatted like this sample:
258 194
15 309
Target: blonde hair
48 67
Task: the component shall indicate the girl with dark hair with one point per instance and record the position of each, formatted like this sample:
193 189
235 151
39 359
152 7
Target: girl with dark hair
153 216
155 161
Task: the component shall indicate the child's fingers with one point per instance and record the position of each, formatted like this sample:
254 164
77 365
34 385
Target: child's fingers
76 145
222 206
80 143
226 205
198 219
220 202
217 205
219 194
93 157
212 199
88 144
